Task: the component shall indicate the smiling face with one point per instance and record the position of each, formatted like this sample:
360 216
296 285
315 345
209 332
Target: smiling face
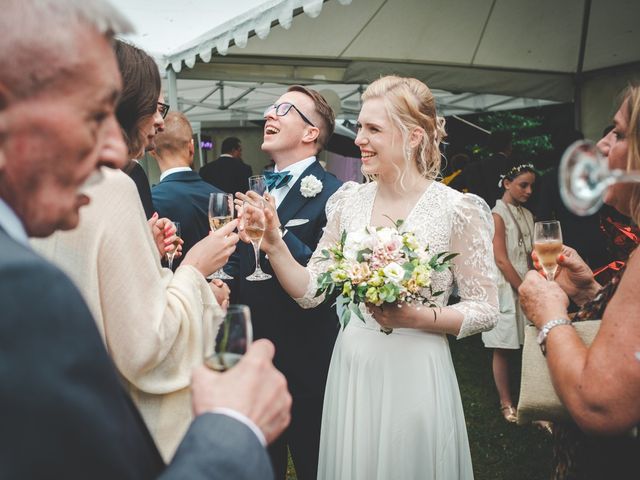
57 138
380 142
518 190
289 138
615 147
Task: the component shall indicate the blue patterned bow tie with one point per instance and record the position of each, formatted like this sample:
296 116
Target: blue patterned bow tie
277 179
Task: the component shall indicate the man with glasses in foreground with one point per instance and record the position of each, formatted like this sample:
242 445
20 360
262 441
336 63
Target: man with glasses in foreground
297 128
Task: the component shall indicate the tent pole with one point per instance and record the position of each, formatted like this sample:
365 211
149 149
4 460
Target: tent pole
173 88
578 80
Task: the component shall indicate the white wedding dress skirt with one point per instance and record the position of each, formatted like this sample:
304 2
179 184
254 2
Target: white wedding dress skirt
392 408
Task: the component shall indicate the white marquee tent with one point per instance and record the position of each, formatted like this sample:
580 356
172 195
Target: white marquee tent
230 57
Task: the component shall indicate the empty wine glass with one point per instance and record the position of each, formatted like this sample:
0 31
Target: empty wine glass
234 335
253 219
584 176
171 255
258 184
220 213
547 242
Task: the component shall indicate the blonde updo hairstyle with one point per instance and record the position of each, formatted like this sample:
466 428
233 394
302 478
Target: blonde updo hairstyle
632 98
410 105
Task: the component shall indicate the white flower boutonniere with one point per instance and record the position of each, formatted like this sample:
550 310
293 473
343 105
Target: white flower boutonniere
310 186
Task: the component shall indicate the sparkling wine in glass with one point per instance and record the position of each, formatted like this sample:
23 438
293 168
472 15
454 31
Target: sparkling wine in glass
220 213
171 255
254 221
258 184
547 242
584 176
234 335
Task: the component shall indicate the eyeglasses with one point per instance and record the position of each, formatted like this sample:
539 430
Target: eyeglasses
163 108
283 108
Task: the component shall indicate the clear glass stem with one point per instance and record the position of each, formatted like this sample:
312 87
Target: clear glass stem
170 260
256 252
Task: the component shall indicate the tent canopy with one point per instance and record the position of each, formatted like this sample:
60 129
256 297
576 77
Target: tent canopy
539 49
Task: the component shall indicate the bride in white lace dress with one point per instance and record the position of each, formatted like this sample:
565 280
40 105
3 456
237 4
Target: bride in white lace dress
392 407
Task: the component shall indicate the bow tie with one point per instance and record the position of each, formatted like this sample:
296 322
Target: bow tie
277 179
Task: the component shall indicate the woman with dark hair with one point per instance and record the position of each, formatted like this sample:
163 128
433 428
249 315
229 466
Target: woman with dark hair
139 112
155 323
512 245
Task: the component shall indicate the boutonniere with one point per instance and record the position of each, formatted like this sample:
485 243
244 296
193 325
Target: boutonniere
310 186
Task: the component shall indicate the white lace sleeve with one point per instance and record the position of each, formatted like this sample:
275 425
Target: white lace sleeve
331 235
474 268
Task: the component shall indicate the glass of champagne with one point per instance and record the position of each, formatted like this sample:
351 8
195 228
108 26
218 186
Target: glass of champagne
584 176
220 213
234 335
258 184
171 255
547 242
254 225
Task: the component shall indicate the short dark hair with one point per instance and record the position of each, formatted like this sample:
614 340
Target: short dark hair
324 111
140 91
230 144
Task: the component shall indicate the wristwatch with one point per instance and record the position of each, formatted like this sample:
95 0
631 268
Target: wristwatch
544 331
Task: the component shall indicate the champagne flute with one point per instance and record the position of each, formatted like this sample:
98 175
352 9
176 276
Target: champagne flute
254 225
547 242
234 335
176 243
258 184
584 176
220 213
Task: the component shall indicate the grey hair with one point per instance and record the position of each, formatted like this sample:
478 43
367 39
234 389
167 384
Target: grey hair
39 39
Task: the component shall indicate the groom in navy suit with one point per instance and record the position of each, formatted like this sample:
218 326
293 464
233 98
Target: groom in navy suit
296 129
181 196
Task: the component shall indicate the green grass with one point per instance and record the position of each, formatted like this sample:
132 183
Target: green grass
500 450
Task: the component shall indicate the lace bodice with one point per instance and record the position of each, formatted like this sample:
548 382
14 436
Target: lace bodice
444 219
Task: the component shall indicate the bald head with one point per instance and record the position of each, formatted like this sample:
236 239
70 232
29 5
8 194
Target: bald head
174 146
40 44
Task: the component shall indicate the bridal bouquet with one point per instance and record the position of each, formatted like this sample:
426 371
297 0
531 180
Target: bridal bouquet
380 265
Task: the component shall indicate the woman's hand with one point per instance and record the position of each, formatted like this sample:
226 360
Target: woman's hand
163 233
213 252
395 315
221 292
272 237
541 299
573 275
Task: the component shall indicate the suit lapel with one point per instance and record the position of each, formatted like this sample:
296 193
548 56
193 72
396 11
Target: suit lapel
294 201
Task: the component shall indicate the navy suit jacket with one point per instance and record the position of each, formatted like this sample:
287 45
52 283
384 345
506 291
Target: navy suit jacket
64 413
303 338
184 197
229 174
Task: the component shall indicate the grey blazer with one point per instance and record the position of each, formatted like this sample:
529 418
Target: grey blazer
63 412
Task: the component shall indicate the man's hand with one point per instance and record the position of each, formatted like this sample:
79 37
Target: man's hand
272 236
253 388
221 292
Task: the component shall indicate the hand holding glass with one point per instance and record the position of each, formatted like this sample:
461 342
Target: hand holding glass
253 218
547 242
234 335
220 213
176 243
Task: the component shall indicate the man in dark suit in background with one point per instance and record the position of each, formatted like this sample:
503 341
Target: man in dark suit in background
229 173
181 196
297 128
63 412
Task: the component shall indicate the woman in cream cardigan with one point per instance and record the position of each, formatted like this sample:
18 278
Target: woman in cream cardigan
155 323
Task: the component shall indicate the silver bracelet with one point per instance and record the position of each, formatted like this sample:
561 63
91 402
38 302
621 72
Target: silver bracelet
543 333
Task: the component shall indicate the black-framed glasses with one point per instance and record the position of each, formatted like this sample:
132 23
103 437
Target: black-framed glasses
163 108
283 108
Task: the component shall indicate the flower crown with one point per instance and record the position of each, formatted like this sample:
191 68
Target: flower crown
515 171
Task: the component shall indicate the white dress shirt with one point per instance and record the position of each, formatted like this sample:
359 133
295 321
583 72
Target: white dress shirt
168 172
11 224
296 171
